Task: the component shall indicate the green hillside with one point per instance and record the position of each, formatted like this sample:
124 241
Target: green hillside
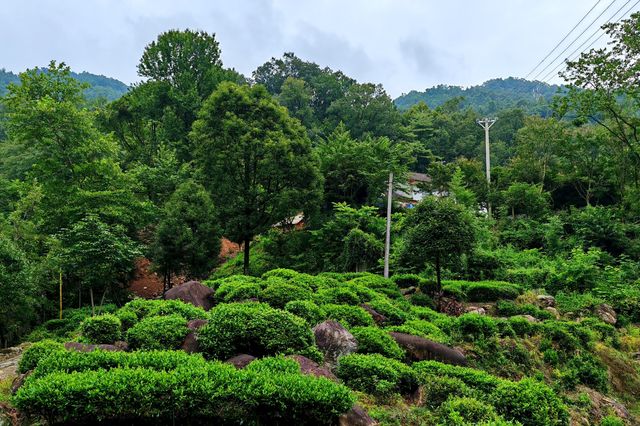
488 98
101 87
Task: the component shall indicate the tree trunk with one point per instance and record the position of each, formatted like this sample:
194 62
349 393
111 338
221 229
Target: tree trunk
79 295
104 294
93 307
438 280
247 242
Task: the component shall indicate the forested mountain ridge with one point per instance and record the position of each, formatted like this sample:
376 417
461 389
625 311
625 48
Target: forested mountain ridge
490 97
100 85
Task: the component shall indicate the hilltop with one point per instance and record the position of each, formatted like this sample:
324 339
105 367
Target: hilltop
100 86
488 98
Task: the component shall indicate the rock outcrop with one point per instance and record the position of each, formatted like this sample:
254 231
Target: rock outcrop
334 340
192 292
419 349
241 361
606 313
308 366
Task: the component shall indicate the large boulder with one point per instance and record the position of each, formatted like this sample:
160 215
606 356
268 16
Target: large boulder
86 347
546 301
377 316
308 366
607 314
478 310
334 340
357 416
240 361
196 324
419 349
192 292
190 343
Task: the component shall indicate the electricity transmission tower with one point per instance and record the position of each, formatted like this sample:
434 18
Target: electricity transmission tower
486 124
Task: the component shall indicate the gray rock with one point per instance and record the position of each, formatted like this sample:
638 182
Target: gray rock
308 366
606 313
419 349
553 311
357 416
546 301
192 292
475 310
334 340
241 361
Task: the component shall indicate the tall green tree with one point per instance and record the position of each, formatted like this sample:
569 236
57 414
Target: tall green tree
187 239
437 232
256 161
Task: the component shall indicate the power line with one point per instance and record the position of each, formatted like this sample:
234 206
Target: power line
572 56
563 39
574 40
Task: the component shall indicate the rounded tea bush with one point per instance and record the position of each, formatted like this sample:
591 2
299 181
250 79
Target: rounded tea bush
143 308
376 374
278 294
350 316
101 329
437 389
467 409
253 328
161 332
372 340
36 352
306 309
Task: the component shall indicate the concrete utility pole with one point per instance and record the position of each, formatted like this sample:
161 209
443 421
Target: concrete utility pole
387 242
486 124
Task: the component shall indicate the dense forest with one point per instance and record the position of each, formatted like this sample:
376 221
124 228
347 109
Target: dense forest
514 302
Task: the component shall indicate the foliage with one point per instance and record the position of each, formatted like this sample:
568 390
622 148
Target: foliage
350 316
465 409
158 332
253 328
373 340
307 310
279 293
143 308
37 352
101 329
376 374
256 161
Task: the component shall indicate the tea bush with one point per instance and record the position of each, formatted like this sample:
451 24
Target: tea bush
375 340
394 314
437 389
376 374
36 352
101 329
483 291
407 280
158 332
465 409
350 316
238 291
278 294
530 402
307 310
253 328
508 309
143 308
474 326
337 295
473 378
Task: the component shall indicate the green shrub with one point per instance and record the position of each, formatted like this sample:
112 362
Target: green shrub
586 369
127 318
578 303
372 340
473 378
394 314
287 274
75 361
238 291
474 326
337 295
379 284
376 374
421 328
523 327
209 393
307 310
158 332
278 294
465 409
407 280
437 389
275 364
530 402
421 299
482 291
551 357
351 316
36 352
568 338
101 329
253 328
508 309
143 308
611 421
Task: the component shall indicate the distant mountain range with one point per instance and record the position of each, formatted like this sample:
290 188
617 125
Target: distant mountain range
490 97
101 87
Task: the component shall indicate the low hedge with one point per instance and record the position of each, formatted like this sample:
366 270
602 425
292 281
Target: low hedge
482 291
341 295
143 308
407 280
465 409
475 326
101 329
36 352
438 389
508 309
373 340
379 284
214 392
253 328
395 315
376 374
473 378
74 361
162 332
238 291
279 293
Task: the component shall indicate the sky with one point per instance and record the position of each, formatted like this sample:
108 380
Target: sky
402 44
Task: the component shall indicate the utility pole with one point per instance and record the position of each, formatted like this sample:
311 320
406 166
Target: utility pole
486 124
387 242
